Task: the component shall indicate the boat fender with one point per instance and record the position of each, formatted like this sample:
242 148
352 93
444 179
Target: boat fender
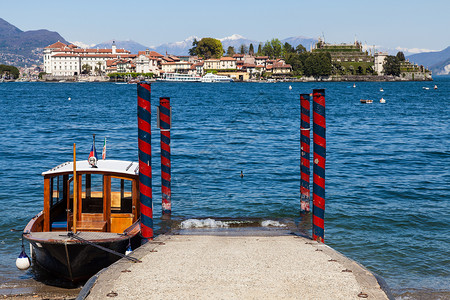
23 262
129 250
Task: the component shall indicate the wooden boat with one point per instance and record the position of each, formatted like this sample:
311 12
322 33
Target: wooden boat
89 219
366 101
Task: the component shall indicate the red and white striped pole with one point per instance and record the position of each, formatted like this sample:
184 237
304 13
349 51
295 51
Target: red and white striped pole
305 139
319 138
145 159
164 124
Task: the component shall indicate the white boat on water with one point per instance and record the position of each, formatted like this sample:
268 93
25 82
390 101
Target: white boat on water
210 77
179 77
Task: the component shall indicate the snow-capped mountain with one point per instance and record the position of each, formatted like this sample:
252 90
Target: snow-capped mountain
182 47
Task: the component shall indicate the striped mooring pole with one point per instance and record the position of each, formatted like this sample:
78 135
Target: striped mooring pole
319 138
305 131
164 124
145 159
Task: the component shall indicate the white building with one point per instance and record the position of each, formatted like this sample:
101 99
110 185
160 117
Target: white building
68 60
379 58
148 62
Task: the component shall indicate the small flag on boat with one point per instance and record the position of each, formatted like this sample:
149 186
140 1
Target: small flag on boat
104 150
93 154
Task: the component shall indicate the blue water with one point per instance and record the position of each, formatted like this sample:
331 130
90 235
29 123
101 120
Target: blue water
387 172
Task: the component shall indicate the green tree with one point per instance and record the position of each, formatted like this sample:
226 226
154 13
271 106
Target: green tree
267 49
209 47
400 56
230 51
296 62
300 49
287 48
243 49
318 64
86 69
277 47
259 53
9 72
391 66
193 50
251 49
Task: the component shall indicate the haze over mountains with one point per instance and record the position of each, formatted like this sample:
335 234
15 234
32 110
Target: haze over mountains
22 48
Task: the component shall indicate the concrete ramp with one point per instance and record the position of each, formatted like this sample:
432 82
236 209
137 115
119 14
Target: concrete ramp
232 265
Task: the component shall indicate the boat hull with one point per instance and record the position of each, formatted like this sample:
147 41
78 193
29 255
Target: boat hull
75 260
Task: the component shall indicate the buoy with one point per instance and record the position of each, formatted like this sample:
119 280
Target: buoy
382 100
290 87
23 262
69 98
129 250
435 87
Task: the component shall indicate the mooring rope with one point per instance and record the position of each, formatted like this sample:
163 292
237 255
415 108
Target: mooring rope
73 235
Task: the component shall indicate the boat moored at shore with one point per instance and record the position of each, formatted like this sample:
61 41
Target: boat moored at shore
89 219
176 77
210 77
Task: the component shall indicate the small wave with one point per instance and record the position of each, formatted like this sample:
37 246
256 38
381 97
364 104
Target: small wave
271 223
211 223
208 223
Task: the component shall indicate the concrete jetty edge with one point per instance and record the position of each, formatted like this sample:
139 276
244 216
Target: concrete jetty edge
109 279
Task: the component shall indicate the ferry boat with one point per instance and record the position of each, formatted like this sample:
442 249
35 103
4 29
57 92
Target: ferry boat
210 77
89 220
179 77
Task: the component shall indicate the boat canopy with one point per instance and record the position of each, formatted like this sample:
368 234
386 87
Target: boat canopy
103 166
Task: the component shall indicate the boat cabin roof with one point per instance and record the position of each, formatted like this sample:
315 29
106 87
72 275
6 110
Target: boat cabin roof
103 166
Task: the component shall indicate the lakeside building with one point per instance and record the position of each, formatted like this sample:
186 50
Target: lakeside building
343 52
379 58
61 60
68 60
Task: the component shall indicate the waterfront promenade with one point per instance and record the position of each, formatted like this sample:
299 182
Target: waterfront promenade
234 264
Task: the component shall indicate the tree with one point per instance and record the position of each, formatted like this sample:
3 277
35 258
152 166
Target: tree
230 51
251 49
267 49
401 56
9 72
99 68
391 65
243 49
209 47
86 69
300 49
260 49
287 48
318 64
193 50
296 62
277 47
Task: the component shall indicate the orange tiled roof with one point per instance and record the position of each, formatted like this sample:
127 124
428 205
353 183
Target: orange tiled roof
58 44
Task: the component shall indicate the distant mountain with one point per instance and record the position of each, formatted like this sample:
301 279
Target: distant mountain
176 48
297 40
438 62
21 47
236 40
130 45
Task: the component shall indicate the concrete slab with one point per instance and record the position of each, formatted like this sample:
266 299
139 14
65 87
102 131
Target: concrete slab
235 266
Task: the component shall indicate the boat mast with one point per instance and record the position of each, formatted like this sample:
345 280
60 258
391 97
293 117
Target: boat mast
75 189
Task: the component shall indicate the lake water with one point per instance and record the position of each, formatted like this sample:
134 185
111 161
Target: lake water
387 172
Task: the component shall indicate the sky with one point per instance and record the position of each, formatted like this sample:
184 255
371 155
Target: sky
396 24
